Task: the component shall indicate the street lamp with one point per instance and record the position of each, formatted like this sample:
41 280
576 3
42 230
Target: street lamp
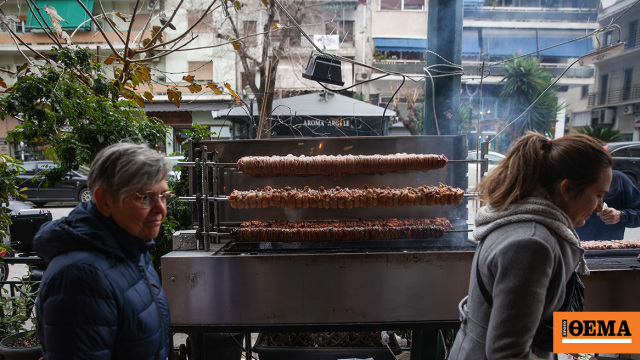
247 94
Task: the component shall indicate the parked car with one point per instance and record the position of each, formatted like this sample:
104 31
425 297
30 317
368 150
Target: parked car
626 157
473 173
72 189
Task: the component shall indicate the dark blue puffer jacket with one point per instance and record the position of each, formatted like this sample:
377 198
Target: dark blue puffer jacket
100 297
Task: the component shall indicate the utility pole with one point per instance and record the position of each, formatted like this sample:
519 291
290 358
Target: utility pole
444 38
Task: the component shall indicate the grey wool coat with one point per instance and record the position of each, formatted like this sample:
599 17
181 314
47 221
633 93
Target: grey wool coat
529 252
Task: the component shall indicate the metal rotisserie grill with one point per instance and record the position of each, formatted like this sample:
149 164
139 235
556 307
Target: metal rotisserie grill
215 283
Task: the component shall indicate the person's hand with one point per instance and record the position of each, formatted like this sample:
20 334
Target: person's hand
610 216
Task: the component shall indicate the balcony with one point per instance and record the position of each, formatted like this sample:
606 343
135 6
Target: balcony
416 67
401 66
615 97
529 14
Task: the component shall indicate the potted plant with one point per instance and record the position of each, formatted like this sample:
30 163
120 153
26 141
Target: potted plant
18 340
16 297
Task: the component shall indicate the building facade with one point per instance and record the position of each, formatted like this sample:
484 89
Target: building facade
387 34
614 99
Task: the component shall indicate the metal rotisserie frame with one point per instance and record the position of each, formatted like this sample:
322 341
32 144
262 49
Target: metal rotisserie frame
229 178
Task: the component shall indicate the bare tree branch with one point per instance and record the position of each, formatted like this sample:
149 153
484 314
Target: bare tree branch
38 16
104 15
109 43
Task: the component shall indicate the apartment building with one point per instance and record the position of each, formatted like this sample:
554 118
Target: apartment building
497 29
613 100
199 57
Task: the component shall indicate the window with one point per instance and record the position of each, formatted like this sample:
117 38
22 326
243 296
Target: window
626 90
15 24
402 5
203 26
202 71
582 118
250 27
585 91
608 38
342 28
413 5
634 151
633 33
604 88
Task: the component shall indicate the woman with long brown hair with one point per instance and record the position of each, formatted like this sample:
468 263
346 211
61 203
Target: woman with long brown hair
528 257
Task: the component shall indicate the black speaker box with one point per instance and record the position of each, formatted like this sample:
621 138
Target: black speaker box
24 226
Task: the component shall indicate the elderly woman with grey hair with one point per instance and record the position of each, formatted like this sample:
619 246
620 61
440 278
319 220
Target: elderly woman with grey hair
100 297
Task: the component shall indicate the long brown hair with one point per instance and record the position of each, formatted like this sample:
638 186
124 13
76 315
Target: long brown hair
537 162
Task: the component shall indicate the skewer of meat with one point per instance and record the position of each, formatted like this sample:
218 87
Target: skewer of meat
610 244
390 222
326 234
339 164
345 198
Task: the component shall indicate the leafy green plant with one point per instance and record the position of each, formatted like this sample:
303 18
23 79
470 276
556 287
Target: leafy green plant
77 111
602 134
9 170
200 132
17 309
524 83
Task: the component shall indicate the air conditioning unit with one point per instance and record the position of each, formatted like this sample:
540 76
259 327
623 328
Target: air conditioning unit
363 76
628 110
151 5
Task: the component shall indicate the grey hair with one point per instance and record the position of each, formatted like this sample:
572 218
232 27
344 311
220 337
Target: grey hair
125 168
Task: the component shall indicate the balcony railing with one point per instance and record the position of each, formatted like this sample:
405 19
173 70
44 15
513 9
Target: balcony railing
401 66
416 67
615 97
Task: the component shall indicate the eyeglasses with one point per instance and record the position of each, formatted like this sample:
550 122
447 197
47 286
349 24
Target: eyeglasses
148 198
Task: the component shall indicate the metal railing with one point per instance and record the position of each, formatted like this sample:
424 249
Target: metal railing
615 96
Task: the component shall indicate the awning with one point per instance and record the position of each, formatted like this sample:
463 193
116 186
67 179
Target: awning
69 10
346 4
314 105
470 42
401 44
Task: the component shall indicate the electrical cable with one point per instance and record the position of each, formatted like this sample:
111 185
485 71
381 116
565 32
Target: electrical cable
458 69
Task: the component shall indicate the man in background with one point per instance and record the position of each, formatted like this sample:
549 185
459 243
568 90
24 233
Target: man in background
621 210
